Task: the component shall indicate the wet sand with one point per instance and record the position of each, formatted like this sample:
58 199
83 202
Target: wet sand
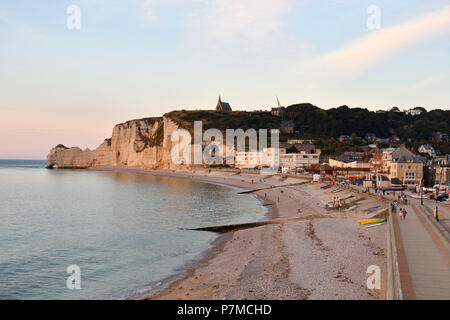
323 256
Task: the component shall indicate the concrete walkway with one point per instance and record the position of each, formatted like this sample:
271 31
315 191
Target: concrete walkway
423 252
427 255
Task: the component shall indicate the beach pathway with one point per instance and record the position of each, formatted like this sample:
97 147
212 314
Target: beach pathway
427 255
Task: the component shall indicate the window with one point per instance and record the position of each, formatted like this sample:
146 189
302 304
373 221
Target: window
409 175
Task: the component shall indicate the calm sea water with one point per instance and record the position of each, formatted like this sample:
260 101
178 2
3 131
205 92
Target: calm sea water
125 232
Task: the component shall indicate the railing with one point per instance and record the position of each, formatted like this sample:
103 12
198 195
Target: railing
394 289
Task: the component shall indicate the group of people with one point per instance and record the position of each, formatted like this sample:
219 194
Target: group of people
379 191
401 211
402 199
394 206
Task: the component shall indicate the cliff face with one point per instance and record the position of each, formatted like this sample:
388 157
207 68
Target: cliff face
144 143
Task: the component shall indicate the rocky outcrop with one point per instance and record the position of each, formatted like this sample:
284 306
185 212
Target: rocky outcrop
144 143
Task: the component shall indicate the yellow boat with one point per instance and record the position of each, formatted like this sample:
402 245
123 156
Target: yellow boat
366 220
371 222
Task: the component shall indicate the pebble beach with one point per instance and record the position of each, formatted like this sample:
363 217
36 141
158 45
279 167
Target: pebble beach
324 255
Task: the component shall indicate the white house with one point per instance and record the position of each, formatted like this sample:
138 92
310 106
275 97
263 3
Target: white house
298 160
426 148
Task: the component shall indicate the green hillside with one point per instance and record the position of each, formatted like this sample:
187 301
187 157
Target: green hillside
325 126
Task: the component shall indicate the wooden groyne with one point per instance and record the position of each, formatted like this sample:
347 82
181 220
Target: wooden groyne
274 187
241 226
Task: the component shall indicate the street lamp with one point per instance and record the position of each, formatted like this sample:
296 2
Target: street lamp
437 194
421 193
436 198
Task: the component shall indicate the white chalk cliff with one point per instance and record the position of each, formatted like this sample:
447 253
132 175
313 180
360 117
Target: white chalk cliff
144 143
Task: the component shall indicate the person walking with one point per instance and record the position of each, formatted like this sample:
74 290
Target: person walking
404 214
400 214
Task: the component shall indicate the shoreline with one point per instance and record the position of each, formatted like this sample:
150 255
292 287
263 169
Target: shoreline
268 262
216 246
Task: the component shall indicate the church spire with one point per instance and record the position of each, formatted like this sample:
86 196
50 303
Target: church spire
222 106
278 101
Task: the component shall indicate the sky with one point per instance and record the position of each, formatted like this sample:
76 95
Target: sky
142 58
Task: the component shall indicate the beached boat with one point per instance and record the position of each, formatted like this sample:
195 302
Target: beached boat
370 221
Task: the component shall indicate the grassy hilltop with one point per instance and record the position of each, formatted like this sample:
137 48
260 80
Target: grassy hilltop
325 126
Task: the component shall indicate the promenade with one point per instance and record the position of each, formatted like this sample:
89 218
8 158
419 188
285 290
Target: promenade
427 256
423 249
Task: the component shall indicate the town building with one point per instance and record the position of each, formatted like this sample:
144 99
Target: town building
426 148
406 168
248 159
414 111
387 158
278 112
391 155
376 160
298 141
439 136
271 157
302 159
439 171
348 164
351 156
287 127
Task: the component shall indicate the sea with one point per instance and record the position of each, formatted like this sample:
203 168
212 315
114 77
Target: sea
85 234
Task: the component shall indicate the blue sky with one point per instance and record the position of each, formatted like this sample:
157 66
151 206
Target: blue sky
138 58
